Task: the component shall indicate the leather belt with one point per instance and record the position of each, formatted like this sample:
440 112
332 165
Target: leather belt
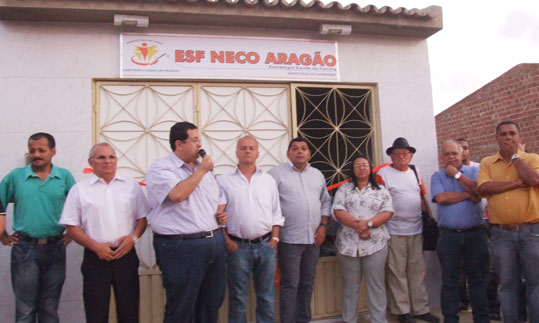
464 230
47 240
188 236
257 240
511 227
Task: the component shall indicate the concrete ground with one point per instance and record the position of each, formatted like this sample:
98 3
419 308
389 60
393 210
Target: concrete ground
465 317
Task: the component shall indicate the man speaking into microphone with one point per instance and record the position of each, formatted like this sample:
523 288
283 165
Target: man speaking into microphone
189 246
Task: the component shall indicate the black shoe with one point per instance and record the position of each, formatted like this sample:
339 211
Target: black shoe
427 317
406 318
495 317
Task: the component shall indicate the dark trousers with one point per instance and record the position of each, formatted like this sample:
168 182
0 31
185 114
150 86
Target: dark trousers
99 275
194 277
471 248
297 266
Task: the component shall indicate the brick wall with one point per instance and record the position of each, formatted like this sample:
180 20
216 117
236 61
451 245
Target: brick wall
512 96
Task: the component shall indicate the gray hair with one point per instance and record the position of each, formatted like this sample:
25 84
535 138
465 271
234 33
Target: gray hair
450 141
101 144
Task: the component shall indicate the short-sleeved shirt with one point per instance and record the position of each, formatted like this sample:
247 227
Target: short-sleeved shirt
405 193
304 200
38 203
461 215
515 206
253 206
105 212
362 204
196 213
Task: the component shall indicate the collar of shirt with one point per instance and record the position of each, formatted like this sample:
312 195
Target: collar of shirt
180 163
362 189
297 170
94 179
29 172
237 171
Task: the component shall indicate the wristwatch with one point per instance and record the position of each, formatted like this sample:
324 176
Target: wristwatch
135 238
370 224
458 175
515 156
275 238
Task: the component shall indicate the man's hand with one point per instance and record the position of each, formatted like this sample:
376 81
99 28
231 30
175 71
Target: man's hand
67 239
231 246
126 243
320 235
451 170
10 239
222 218
273 243
103 251
207 164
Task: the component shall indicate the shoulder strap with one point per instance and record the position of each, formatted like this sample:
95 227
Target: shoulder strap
415 173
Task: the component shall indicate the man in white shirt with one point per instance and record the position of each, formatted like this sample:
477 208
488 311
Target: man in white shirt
466 153
306 206
254 221
189 245
405 269
106 214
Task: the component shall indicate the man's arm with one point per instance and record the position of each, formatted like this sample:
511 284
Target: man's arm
183 189
103 250
447 198
490 188
274 234
526 173
467 183
320 233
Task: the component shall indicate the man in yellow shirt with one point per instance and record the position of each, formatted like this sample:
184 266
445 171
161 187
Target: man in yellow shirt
510 181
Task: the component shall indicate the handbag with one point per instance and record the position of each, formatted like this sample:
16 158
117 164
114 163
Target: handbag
430 226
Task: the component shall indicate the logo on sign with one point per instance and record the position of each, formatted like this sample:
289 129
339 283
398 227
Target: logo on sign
144 54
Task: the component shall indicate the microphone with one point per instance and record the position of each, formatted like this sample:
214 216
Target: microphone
202 153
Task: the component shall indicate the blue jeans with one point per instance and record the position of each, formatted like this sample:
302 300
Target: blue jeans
37 277
194 277
471 248
515 253
260 259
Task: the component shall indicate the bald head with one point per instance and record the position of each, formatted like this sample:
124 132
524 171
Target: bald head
247 150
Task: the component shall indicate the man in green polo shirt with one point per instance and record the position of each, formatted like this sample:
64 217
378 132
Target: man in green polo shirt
38 243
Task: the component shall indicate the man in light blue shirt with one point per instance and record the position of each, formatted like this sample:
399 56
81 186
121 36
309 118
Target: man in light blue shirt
189 246
38 244
306 207
462 234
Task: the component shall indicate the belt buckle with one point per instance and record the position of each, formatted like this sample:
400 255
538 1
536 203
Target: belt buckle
210 235
42 240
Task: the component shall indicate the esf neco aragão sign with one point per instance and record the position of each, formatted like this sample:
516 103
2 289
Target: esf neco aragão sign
188 56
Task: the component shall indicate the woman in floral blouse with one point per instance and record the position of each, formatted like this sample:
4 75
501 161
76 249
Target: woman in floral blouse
362 206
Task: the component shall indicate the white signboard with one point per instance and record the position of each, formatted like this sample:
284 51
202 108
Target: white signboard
190 56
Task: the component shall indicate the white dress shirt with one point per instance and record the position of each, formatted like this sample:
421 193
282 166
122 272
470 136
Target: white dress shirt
253 206
194 214
105 212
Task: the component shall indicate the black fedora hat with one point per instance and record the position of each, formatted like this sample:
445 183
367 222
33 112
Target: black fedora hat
400 143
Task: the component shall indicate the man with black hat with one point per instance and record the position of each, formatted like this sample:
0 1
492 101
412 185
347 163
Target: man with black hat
405 270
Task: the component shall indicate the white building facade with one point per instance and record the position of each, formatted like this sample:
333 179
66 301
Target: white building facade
61 72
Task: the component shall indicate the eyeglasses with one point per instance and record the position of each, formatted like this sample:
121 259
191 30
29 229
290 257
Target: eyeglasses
361 166
193 141
103 158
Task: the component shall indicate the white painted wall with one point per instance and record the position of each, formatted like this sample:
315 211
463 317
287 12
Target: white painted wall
46 72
